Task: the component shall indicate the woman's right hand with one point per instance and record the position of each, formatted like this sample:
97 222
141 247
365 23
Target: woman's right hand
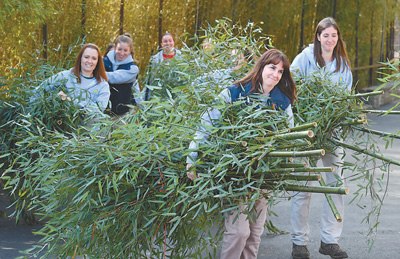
64 96
191 174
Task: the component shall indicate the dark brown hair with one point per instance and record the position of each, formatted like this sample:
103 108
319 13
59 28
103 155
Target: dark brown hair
339 52
272 56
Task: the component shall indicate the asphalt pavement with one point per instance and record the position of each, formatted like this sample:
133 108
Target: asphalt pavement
17 237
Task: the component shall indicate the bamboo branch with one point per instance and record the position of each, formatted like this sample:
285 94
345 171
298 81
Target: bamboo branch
368 94
378 133
382 112
378 156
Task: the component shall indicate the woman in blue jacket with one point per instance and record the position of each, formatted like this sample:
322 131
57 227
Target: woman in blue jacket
271 78
122 73
328 55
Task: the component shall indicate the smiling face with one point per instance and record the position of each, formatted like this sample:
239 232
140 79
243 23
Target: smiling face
89 61
271 76
122 51
167 43
329 39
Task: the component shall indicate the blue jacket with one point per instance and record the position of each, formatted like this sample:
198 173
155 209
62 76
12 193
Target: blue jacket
229 95
122 75
120 72
277 98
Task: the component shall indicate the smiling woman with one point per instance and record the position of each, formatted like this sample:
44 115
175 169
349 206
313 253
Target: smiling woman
122 73
85 83
270 82
327 55
89 61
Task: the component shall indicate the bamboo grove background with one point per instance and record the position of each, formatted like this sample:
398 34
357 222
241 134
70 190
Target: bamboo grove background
35 31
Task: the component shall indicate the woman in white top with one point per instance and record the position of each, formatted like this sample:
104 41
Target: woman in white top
328 55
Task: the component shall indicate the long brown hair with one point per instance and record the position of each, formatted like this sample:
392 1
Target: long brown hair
99 72
125 38
339 52
272 56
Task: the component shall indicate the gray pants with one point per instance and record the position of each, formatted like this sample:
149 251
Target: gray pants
242 235
330 228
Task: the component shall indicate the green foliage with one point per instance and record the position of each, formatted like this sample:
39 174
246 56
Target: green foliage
330 106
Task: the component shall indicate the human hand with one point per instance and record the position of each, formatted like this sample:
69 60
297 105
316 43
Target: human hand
191 174
64 96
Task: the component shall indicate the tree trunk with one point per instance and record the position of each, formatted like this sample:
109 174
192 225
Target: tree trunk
121 17
301 43
160 19
83 20
197 23
44 40
371 49
234 12
334 9
390 41
356 31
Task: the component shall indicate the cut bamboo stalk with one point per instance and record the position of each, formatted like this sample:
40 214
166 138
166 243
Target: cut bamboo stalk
367 94
378 133
296 135
329 199
382 112
274 179
291 165
355 122
305 153
297 128
315 189
302 170
296 145
288 135
304 126
380 157
310 177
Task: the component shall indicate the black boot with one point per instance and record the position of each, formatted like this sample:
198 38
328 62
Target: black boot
300 252
333 250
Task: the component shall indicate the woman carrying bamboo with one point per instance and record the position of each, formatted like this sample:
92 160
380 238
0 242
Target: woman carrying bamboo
85 84
270 78
328 55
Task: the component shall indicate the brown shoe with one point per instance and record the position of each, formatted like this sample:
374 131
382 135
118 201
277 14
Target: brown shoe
300 252
333 250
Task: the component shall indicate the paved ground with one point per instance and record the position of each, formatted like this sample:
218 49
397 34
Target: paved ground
14 238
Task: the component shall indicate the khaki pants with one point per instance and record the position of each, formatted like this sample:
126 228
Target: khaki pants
242 236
